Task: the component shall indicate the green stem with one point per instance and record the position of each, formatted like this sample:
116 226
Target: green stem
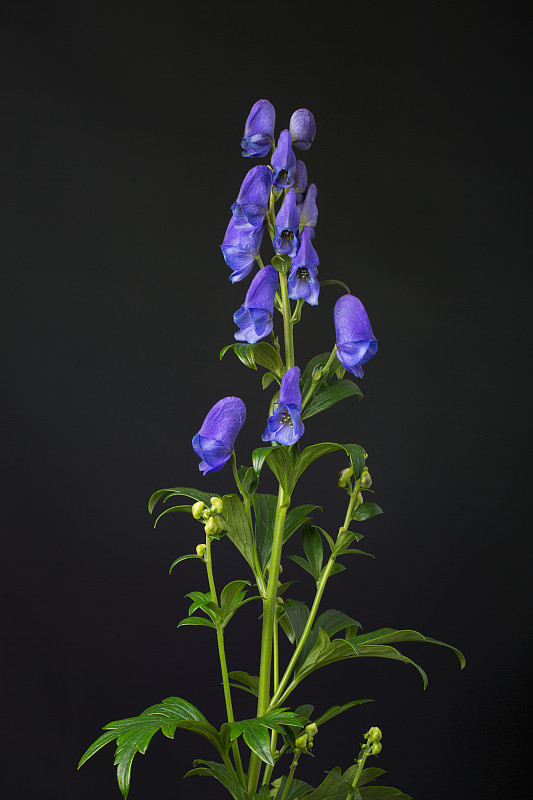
246 498
269 619
289 778
222 658
358 773
306 631
323 372
287 322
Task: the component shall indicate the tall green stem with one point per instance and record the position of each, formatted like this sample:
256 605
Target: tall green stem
287 322
269 621
222 658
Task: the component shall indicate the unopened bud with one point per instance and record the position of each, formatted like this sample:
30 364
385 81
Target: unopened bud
218 504
312 729
376 748
366 480
375 734
211 526
197 509
359 498
344 476
301 742
200 550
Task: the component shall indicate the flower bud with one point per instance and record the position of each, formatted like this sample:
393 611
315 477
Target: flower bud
366 480
197 509
376 748
211 527
312 729
359 498
344 476
375 734
200 550
301 742
218 504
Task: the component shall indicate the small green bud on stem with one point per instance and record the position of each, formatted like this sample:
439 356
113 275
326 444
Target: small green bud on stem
197 509
301 742
366 480
211 526
217 504
311 729
344 476
200 550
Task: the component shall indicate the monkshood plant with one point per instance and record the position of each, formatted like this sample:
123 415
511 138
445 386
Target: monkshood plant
257 758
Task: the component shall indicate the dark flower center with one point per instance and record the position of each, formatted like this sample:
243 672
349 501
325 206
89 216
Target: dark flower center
287 235
285 418
282 175
302 273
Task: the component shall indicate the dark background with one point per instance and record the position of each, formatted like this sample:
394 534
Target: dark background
123 125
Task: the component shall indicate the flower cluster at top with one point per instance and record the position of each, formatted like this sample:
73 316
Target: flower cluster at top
292 275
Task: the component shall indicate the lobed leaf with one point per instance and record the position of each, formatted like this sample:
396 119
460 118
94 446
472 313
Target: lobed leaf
180 491
327 395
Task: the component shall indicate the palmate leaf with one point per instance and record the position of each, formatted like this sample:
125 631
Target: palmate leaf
260 353
297 788
133 735
243 680
255 731
237 526
334 711
388 635
220 772
355 453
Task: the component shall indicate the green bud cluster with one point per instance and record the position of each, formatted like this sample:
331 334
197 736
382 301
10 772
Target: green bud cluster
344 476
372 746
304 743
210 516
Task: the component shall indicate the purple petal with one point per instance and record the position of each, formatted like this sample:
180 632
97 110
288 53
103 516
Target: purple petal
259 129
215 440
303 128
289 393
308 208
283 162
251 204
262 289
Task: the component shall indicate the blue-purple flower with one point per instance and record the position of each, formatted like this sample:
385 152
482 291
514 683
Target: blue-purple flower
215 440
259 130
356 344
308 209
240 248
286 237
300 180
255 317
302 282
283 162
251 205
303 128
285 426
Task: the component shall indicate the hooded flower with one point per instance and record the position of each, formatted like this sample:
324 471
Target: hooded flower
308 210
356 343
240 248
251 204
300 180
285 426
283 162
215 440
303 128
254 317
259 130
286 239
302 282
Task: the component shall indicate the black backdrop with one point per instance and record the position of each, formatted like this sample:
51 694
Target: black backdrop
123 124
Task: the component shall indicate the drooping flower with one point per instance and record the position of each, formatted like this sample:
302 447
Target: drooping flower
286 237
308 209
285 425
251 204
302 282
259 130
356 344
255 317
303 129
300 180
240 248
215 440
283 162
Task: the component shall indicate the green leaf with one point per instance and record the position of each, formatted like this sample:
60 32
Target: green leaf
237 526
267 379
268 357
333 787
297 613
249 481
303 564
367 510
259 456
306 379
328 395
334 711
384 651
250 683
313 452
184 509
368 775
297 517
324 652
182 558
265 514
331 622
313 549
280 462
231 599
215 770
357 456
388 635
133 735
180 491
244 352
207 623
297 788
383 793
